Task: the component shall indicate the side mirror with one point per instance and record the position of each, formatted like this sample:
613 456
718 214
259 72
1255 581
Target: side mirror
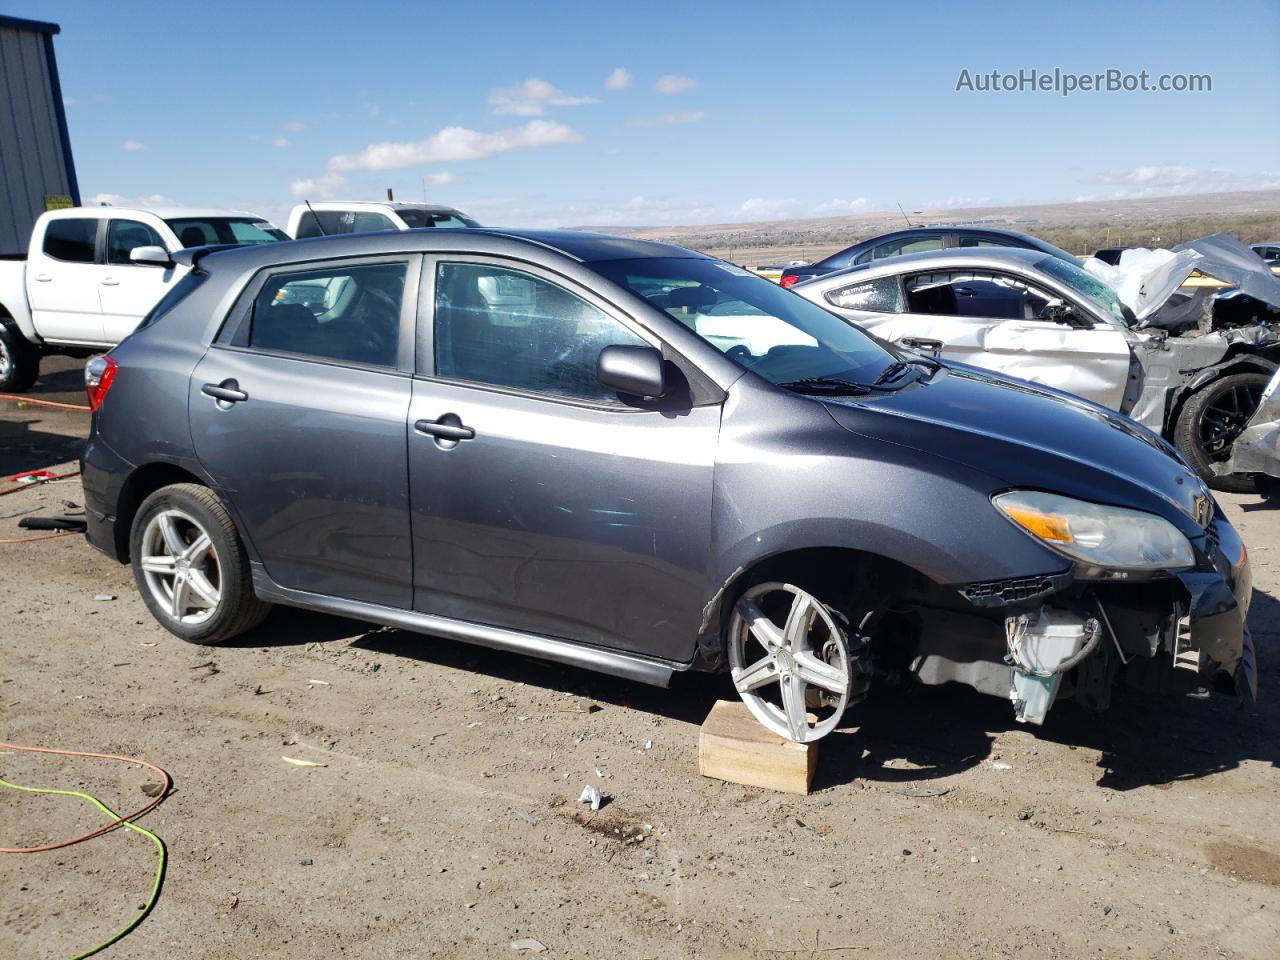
151 256
1056 311
633 370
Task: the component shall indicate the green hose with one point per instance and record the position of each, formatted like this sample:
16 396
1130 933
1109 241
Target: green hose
155 887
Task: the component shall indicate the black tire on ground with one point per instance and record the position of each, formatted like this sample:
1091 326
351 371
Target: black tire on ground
238 608
19 359
1211 420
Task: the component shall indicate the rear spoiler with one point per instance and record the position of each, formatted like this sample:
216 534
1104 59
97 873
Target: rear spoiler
191 256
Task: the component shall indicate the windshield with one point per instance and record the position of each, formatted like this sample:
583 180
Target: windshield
1088 286
202 231
419 219
771 331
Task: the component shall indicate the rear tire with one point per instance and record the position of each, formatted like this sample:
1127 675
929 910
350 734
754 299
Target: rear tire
190 566
19 359
1211 420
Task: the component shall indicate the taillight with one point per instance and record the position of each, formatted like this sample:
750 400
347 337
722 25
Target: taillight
790 281
99 375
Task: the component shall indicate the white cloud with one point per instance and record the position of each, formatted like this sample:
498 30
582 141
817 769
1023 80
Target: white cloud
294 126
441 178
325 187
531 98
455 143
674 83
669 119
70 102
132 145
279 142
757 208
619 79
613 152
1159 179
841 206
120 200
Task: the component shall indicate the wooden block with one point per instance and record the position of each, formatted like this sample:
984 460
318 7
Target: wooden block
734 746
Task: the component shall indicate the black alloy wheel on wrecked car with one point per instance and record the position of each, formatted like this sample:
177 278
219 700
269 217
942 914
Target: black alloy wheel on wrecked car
1210 422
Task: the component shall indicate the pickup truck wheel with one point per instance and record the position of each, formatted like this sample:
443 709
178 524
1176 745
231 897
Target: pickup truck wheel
19 359
1211 420
191 567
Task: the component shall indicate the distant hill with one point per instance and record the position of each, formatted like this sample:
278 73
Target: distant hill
1080 227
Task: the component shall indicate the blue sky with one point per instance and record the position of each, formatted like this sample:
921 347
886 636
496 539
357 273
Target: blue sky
555 114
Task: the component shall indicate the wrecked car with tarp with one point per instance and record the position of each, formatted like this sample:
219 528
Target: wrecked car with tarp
1190 363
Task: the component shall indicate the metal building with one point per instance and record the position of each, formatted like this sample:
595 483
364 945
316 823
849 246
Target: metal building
36 169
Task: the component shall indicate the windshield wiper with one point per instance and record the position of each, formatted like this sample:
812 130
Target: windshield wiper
898 367
825 385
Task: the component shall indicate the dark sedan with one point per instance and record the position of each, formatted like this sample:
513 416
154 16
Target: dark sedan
919 240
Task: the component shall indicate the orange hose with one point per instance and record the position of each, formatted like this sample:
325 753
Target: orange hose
44 536
20 399
141 811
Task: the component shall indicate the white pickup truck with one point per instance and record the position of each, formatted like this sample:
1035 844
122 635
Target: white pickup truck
92 273
329 218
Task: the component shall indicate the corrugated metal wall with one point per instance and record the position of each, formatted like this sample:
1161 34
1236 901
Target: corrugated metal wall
32 162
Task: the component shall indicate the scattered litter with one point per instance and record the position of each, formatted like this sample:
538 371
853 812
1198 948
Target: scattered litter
21 511
105 596
591 795
323 683
306 863
1026 813
648 744
528 943
122 663
1001 765
258 691
152 789
303 763
34 476
973 859
575 707
146 644
924 792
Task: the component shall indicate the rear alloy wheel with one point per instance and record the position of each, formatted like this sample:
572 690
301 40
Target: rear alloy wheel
1211 420
789 659
190 565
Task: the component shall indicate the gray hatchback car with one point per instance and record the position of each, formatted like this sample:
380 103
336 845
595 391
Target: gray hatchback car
637 459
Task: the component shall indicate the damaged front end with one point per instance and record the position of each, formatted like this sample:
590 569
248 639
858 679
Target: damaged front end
1078 634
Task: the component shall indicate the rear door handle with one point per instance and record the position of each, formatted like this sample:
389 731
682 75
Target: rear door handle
228 391
447 427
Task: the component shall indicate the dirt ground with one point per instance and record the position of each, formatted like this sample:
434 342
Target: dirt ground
444 821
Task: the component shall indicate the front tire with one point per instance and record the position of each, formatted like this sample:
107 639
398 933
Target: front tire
1211 420
190 566
19 359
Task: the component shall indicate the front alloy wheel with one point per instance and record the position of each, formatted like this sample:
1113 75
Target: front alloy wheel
789 660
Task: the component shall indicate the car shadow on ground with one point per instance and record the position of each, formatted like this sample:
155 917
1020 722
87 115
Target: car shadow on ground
23 449
901 736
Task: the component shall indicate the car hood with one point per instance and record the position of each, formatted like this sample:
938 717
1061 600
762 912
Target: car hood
1028 436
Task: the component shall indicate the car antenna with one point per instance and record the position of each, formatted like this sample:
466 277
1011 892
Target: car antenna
901 211
315 218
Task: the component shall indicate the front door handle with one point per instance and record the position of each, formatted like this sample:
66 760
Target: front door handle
448 427
228 391
42 278
109 282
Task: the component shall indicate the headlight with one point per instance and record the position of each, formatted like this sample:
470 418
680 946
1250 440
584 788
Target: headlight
1101 536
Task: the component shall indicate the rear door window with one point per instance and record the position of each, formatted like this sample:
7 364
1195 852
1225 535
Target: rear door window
366 222
899 248
883 295
349 314
71 239
969 240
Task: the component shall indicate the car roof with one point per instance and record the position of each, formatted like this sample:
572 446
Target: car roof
581 246
164 213
376 204
975 258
